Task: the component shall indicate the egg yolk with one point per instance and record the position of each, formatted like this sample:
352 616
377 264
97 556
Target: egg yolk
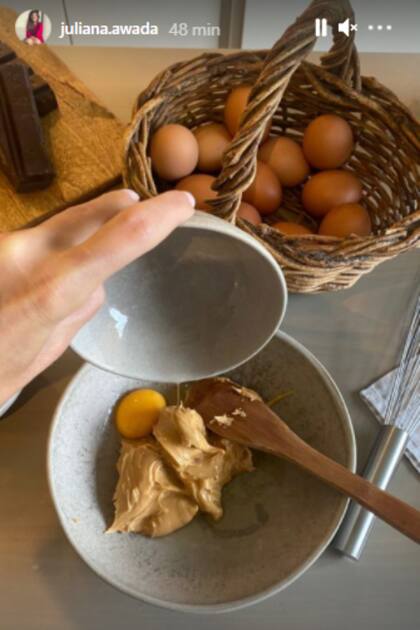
137 412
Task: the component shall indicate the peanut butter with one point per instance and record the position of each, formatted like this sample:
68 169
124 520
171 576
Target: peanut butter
149 498
165 479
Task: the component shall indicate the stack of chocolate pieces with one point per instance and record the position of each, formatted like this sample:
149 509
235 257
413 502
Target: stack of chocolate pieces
24 98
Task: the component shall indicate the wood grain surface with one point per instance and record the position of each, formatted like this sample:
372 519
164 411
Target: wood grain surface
83 137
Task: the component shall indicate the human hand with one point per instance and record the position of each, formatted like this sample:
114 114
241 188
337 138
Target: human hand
52 275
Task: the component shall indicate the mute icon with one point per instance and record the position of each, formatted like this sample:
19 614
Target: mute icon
345 27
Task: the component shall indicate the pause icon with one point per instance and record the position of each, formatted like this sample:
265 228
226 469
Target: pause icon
321 27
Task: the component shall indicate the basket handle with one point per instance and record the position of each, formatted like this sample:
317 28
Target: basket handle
239 163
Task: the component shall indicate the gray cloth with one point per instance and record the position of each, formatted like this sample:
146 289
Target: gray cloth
375 396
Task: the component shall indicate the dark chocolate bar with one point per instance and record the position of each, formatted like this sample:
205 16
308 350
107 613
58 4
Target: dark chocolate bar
44 96
23 154
6 53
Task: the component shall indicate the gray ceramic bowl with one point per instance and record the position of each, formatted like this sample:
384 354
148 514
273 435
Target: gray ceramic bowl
6 406
277 521
204 301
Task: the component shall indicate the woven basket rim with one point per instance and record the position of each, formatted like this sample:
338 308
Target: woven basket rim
354 253
258 56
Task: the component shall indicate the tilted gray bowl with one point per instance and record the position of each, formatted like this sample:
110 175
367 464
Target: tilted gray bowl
204 301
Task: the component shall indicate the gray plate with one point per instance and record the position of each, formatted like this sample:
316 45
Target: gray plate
277 522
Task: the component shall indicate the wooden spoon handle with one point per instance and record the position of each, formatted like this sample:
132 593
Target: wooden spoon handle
390 509
252 423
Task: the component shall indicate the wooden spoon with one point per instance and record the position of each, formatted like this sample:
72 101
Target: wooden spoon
239 414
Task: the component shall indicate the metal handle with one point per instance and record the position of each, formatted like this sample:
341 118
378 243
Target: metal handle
382 463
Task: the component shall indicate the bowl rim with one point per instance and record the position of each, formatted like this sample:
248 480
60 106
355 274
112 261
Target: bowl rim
250 599
4 408
204 221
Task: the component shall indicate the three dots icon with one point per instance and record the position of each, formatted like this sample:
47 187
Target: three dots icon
380 27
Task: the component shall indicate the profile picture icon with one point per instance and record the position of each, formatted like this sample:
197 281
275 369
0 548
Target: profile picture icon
33 27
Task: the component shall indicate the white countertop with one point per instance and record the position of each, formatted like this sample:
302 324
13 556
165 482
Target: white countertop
355 333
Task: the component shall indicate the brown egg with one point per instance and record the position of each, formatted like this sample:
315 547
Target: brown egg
265 192
235 105
200 187
329 189
174 152
212 140
350 218
249 213
294 229
285 157
328 141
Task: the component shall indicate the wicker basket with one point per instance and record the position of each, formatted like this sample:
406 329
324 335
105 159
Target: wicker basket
385 157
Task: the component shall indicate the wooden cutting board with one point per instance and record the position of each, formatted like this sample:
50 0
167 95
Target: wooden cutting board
84 139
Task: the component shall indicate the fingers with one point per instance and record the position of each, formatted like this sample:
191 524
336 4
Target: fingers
23 249
130 234
61 336
54 343
76 224
67 282
79 317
